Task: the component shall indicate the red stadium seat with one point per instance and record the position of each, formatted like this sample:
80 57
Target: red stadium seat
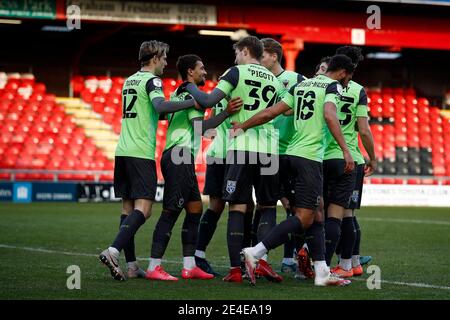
414 181
5 176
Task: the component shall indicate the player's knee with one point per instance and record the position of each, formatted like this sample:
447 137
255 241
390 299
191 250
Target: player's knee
217 205
335 211
307 222
194 207
238 207
348 213
169 217
127 206
306 218
143 205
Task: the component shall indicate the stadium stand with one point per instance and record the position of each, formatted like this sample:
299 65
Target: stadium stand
104 95
40 131
409 135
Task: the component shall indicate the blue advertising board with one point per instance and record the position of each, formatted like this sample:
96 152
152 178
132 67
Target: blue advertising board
59 192
22 192
6 191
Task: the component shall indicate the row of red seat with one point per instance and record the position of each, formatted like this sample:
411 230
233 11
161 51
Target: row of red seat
413 181
415 123
36 133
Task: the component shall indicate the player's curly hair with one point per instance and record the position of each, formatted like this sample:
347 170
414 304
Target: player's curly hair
152 48
341 61
253 44
185 63
354 53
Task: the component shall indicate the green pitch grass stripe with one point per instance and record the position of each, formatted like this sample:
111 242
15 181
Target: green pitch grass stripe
446 223
42 250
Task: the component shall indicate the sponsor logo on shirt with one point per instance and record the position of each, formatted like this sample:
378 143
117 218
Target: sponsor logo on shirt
157 82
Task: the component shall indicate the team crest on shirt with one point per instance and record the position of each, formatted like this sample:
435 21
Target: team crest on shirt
231 186
355 196
285 83
180 202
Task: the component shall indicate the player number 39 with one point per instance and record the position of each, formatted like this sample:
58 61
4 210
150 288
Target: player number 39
233 309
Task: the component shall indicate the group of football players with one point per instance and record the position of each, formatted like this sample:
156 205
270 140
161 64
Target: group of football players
277 136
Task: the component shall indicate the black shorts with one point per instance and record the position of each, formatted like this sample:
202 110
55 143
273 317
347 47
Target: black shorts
180 181
338 186
287 186
308 182
215 173
135 178
355 200
244 170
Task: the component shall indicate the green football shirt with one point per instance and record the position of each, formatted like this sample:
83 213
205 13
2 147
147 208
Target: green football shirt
285 124
139 117
218 147
307 99
180 131
258 88
352 104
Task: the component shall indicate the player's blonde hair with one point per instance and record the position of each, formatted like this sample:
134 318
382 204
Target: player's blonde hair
152 48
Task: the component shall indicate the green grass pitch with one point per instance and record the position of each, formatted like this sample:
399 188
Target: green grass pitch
39 241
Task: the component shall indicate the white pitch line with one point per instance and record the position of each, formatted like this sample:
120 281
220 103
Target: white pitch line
409 284
445 223
69 253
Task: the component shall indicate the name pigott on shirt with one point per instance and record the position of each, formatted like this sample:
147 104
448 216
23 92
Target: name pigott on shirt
261 74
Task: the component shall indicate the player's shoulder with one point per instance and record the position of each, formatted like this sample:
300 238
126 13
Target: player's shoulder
231 75
294 75
333 86
230 70
180 94
353 85
357 91
153 83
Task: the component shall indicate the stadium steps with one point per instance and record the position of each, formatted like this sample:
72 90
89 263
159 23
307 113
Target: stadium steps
101 133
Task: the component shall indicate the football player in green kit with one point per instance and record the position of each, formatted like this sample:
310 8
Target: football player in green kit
135 169
347 232
215 173
252 158
344 191
180 182
272 56
314 103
